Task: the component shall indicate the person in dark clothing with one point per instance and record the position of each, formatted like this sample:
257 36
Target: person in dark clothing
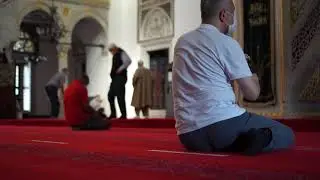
120 63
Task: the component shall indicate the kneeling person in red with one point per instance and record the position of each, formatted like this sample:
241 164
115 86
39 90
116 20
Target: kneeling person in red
79 114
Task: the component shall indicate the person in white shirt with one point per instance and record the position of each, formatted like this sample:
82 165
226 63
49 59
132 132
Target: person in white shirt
52 87
120 63
206 63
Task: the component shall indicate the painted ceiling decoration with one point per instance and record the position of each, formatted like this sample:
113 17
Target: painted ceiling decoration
4 2
93 3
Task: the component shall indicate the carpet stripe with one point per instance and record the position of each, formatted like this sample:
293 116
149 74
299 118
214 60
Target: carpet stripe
302 148
50 142
188 153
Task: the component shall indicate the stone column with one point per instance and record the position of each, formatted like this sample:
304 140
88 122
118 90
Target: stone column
63 49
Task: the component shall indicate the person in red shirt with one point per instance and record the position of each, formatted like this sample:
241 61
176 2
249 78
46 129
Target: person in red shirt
79 114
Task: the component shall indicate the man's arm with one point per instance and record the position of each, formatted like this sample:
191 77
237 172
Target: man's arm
125 60
250 87
238 70
83 95
62 82
62 90
135 78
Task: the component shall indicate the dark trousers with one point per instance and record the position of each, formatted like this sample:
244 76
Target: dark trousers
96 122
52 93
118 89
224 136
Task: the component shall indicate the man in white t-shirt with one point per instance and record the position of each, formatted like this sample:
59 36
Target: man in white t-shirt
206 62
52 88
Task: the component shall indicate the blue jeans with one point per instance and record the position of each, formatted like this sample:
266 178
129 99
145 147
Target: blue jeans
223 135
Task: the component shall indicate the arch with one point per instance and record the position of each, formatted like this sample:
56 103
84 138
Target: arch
81 35
77 17
86 17
30 8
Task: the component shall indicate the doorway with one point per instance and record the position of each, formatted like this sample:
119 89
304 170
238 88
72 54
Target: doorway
23 86
159 61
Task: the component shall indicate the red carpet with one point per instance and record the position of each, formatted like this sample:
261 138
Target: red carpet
299 125
28 152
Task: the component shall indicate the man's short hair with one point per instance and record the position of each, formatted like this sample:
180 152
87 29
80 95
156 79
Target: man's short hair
140 62
85 77
111 46
210 8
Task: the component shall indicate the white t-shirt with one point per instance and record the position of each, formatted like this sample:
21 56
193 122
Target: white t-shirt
57 80
205 62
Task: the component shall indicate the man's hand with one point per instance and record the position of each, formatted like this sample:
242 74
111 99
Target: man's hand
248 58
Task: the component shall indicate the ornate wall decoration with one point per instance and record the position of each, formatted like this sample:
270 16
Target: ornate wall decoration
155 19
302 40
258 40
3 3
66 11
297 8
91 3
311 92
63 51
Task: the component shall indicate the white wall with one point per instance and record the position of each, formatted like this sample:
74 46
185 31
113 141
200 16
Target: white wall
123 31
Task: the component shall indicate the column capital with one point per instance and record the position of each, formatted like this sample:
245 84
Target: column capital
63 50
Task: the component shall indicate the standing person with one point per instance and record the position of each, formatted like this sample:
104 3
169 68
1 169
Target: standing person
142 84
52 88
78 112
208 119
120 63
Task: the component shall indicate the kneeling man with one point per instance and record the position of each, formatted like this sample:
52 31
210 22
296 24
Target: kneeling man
78 112
208 119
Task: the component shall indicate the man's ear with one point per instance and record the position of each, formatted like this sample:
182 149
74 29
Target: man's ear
222 16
